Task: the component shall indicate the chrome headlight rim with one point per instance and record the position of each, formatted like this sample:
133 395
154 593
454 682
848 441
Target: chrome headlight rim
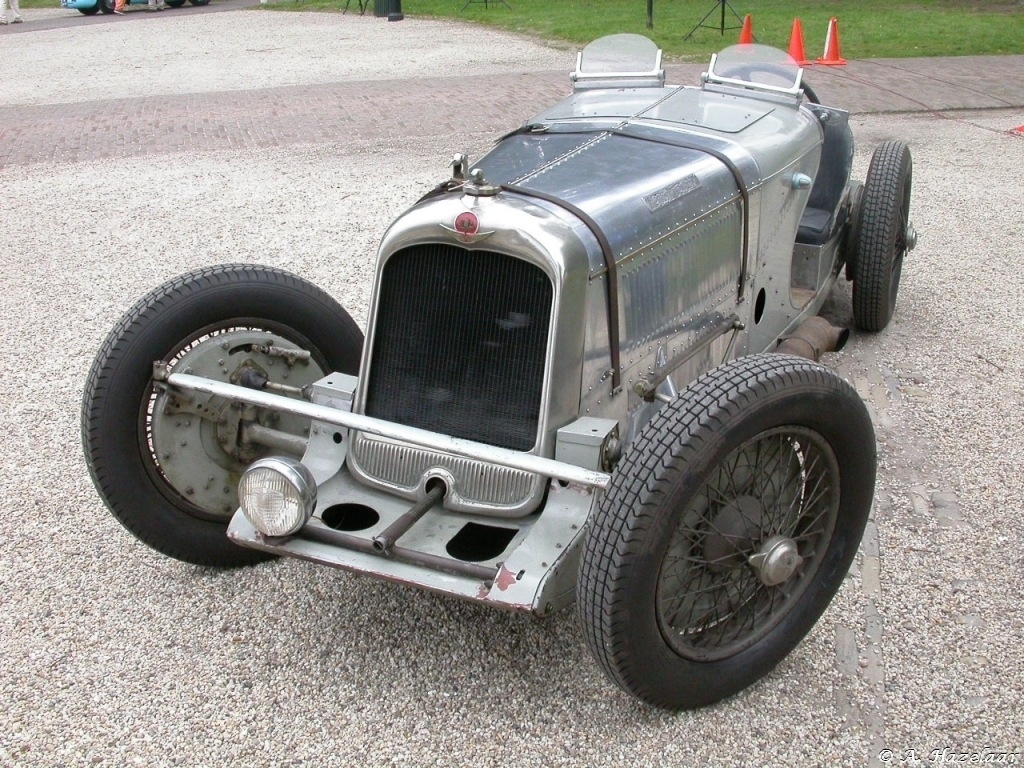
297 476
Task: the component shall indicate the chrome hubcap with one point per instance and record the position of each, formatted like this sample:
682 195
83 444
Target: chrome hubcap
911 237
776 560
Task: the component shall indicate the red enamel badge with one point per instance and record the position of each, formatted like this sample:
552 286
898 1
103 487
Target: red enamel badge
467 223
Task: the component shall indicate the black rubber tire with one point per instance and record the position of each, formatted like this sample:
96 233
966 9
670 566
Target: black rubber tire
120 385
881 241
90 11
106 6
174 3
199 2
668 464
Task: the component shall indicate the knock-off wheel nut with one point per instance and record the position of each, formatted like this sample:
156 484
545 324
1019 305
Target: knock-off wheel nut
776 560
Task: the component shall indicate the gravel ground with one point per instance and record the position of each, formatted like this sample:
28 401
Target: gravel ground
235 51
115 656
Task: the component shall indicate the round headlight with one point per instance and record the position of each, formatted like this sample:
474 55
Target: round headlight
277 495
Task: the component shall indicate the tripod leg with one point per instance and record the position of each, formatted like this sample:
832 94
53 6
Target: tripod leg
701 22
738 17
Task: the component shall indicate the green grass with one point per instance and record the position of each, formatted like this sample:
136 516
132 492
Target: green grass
867 28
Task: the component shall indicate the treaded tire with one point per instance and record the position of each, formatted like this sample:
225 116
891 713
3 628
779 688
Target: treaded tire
119 387
667 467
90 11
881 242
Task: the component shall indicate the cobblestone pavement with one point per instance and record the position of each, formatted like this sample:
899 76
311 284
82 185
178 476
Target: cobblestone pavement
116 656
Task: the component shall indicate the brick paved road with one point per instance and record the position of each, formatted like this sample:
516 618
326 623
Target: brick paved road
380 111
386 110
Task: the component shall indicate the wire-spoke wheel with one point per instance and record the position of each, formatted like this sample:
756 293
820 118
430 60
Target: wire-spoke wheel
748 544
727 529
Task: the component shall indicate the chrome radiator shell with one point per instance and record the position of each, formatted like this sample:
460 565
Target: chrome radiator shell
559 247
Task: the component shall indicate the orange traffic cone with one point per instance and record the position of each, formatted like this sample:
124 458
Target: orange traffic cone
796 44
747 33
832 57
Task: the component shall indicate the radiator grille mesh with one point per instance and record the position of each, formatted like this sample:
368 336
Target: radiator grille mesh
460 343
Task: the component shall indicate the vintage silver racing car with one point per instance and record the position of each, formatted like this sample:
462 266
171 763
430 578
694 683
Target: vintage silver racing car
589 374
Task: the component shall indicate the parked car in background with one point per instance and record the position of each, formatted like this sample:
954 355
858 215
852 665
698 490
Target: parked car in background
90 7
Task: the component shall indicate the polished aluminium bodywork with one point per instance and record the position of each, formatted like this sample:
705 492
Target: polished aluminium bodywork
664 219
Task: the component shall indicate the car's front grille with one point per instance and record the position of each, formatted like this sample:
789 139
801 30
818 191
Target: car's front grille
460 343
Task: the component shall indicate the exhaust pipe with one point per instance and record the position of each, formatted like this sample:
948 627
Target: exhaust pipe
813 337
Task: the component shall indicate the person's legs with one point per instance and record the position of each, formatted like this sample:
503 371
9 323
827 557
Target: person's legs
3 11
16 10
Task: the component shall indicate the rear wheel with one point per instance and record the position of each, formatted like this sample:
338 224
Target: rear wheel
199 2
727 529
106 6
883 237
174 3
167 463
90 11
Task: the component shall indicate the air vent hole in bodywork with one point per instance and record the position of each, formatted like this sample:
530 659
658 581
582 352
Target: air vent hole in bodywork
436 482
475 543
349 517
759 306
